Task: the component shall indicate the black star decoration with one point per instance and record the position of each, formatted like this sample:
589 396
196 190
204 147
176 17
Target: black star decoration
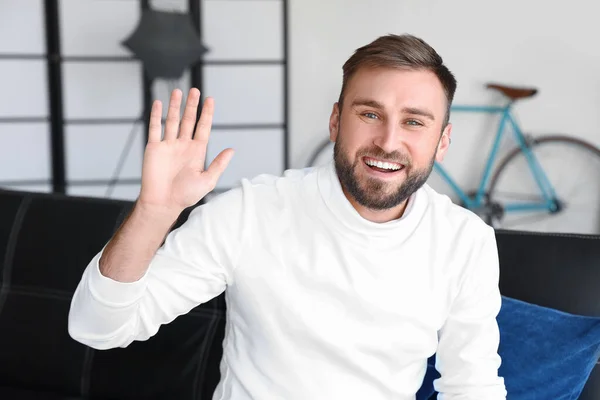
166 42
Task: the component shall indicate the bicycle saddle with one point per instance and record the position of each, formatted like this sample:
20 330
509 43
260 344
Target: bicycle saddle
512 92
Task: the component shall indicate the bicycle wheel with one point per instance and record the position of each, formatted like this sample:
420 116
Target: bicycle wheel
322 154
572 167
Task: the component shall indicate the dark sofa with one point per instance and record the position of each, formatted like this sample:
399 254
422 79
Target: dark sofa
47 240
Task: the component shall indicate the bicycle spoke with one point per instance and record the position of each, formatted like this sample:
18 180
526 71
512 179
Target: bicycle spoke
575 190
572 168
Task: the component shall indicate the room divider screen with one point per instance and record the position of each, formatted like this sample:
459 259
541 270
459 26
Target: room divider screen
73 114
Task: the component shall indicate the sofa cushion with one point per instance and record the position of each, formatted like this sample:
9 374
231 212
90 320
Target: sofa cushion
180 362
555 270
546 354
558 271
26 394
46 241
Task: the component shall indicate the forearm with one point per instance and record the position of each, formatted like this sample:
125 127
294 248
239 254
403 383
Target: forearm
136 284
106 306
467 356
469 363
128 254
146 284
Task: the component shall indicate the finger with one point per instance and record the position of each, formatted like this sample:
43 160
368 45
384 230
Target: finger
172 121
205 121
188 121
155 125
218 165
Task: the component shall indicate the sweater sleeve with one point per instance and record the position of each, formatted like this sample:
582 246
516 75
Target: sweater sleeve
195 264
467 357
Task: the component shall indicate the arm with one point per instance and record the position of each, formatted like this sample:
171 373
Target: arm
467 357
127 256
194 265
132 287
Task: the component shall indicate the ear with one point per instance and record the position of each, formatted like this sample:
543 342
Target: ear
334 122
444 143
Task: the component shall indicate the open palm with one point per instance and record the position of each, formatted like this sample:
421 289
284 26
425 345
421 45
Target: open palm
173 174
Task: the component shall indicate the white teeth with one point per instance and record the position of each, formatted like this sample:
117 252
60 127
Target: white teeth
383 165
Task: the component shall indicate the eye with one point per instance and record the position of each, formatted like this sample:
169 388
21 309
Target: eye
413 122
370 115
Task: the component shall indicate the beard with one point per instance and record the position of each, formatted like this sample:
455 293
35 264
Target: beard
373 193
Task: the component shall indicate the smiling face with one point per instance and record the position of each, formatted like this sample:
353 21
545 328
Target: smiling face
388 133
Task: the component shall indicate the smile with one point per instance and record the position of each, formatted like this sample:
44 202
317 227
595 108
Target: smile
382 166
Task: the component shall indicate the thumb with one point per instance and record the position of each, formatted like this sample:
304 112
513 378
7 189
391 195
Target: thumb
219 164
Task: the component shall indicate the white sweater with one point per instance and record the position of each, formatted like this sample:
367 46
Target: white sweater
322 304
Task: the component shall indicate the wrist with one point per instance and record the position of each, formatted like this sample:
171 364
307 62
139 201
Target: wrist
158 216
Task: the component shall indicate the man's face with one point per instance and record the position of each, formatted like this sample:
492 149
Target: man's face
388 134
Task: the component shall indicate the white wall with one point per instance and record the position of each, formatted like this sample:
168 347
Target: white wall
552 45
548 44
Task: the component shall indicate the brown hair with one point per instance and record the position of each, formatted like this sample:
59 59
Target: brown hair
402 52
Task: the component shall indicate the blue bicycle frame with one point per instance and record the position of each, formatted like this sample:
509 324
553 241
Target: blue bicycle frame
548 196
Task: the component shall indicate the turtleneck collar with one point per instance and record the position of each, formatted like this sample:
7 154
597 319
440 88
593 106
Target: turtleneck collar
338 204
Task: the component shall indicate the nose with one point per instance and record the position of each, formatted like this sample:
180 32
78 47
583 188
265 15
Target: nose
388 138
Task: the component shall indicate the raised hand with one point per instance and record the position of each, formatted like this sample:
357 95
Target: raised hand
173 174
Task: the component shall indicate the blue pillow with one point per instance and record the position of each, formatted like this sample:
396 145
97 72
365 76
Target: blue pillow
546 354
426 391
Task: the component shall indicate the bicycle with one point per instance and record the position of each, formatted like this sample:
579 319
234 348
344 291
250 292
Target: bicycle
509 198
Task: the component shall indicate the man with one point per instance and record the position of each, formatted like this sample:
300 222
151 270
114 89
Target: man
340 281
